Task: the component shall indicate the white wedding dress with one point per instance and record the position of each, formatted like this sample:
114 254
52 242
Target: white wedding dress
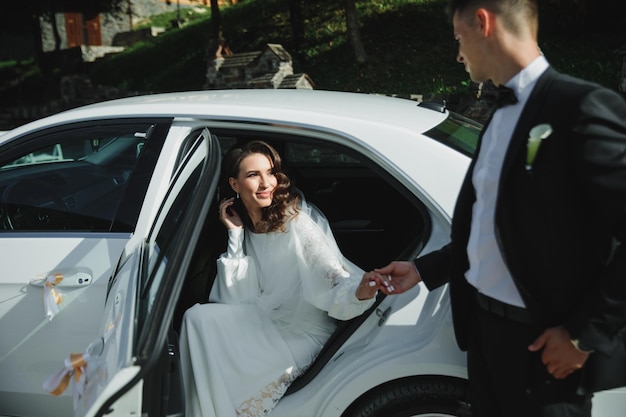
271 310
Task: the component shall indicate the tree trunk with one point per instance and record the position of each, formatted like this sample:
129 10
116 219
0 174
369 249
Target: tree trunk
44 62
55 32
216 20
297 22
354 34
39 55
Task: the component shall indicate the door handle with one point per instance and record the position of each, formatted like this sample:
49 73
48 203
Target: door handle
72 279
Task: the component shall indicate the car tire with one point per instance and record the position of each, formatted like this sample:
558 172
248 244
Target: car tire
415 397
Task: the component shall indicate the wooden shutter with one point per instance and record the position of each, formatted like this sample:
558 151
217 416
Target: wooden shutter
74 29
94 34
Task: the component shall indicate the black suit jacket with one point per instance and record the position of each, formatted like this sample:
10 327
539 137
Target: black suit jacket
561 227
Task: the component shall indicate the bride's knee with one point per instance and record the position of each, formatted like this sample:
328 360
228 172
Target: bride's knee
204 313
193 313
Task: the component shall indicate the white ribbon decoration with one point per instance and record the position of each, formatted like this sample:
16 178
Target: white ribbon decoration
83 368
51 296
75 368
75 365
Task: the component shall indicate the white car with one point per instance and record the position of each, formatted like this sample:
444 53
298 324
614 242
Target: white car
109 232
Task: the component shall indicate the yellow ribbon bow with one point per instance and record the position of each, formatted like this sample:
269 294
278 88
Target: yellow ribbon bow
75 365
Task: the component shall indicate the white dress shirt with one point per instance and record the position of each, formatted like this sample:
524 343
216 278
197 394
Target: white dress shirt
487 271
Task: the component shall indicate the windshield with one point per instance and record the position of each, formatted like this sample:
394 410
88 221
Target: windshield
457 132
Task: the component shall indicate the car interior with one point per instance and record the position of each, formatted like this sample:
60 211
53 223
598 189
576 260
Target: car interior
374 220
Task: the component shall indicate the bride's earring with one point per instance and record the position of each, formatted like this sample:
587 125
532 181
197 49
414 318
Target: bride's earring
237 195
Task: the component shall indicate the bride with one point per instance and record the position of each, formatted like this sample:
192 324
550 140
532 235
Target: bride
279 285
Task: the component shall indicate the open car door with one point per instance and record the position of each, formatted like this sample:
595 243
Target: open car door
69 201
127 369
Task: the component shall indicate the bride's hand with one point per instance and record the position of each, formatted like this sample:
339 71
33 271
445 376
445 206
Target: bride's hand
370 284
228 215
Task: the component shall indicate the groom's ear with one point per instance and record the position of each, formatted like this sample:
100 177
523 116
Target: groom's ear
486 21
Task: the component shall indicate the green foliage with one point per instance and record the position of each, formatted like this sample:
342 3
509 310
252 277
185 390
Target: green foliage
409 45
172 61
590 59
592 16
402 60
410 49
187 15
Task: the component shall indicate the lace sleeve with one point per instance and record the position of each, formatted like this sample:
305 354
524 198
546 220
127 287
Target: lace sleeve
329 280
236 281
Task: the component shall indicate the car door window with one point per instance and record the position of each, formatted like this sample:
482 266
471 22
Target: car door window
70 180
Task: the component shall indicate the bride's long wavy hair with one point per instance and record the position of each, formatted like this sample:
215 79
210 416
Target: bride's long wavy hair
284 202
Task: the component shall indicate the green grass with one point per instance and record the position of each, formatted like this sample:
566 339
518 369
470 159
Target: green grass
409 45
187 15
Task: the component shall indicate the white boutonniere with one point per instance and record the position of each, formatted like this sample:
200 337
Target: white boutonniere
536 135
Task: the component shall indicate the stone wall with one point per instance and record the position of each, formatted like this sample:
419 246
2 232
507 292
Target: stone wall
110 24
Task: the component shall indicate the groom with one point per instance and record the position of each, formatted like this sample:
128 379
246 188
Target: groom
537 259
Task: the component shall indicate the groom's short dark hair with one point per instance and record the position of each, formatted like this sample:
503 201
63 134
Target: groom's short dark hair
509 11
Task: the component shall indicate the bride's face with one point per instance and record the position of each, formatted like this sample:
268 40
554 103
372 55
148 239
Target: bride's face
256 182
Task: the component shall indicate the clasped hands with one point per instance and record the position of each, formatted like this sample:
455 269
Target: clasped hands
558 353
395 278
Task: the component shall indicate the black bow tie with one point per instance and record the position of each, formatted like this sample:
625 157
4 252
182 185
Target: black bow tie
504 96
498 97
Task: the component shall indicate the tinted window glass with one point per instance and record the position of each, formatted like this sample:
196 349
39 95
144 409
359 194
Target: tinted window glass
303 153
457 132
71 180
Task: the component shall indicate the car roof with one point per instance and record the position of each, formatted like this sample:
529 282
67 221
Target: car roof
261 104
391 127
